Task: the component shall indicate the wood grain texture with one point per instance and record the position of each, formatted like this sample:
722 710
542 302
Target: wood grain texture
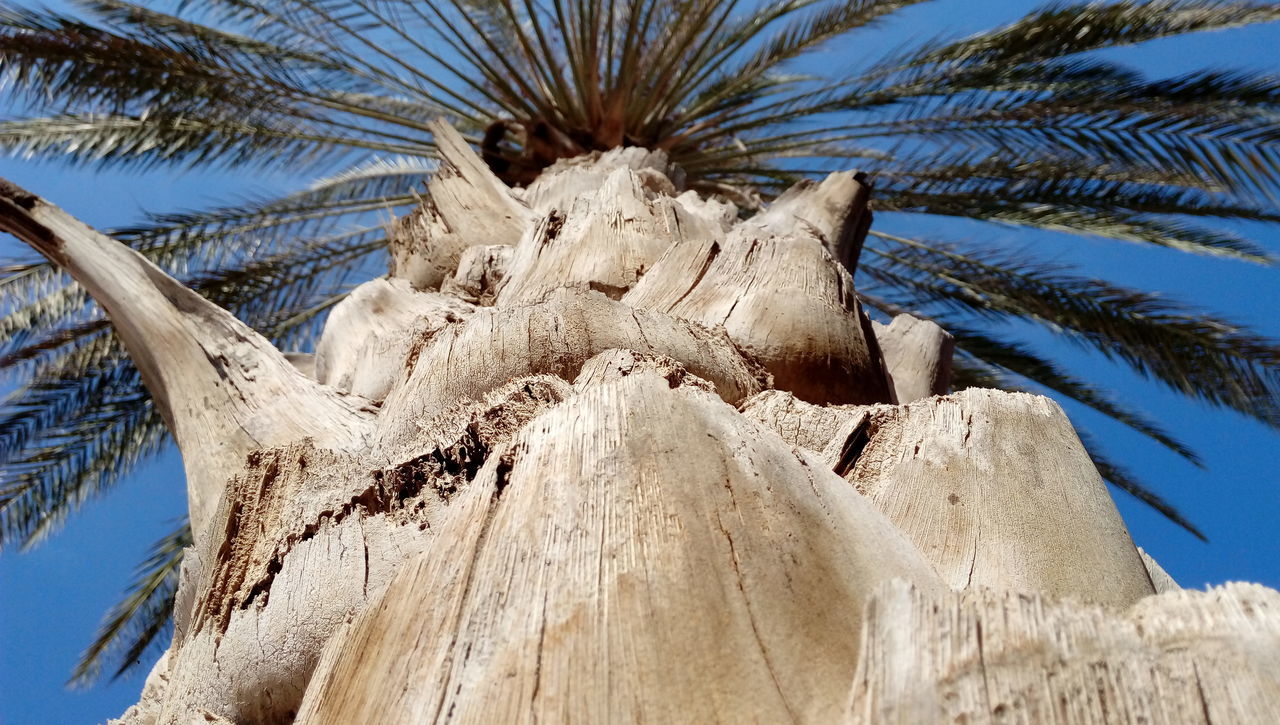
465 206
784 300
561 185
605 240
917 354
368 335
556 337
223 390
310 537
1004 657
481 271
639 553
800 423
996 489
833 210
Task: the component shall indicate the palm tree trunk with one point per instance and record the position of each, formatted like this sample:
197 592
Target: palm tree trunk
598 450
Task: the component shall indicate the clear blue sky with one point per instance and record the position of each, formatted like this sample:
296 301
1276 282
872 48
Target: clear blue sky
52 599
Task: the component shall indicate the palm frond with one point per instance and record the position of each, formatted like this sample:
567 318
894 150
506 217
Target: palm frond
1191 352
1123 479
132 626
1062 29
146 142
971 372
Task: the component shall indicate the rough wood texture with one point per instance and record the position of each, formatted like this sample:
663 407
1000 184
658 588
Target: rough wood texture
466 205
990 657
996 489
310 537
480 273
558 514
223 389
799 423
368 335
917 353
782 299
605 241
640 553
556 337
835 208
562 184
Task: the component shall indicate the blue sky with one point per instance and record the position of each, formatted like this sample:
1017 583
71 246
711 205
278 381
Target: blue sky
51 599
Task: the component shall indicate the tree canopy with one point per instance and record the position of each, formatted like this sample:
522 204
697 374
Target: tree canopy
1024 125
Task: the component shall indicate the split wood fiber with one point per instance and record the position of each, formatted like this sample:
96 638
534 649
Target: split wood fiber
601 449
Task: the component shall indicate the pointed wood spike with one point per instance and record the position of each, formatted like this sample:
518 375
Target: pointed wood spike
836 207
222 388
466 206
783 299
917 353
996 489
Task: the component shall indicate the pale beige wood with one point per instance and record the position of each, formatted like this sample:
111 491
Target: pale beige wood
639 553
722 214
222 388
310 537
367 336
556 337
604 240
466 205
1160 578
996 489
917 354
561 184
1003 657
800 423
784 300
834 210
616 364
480 273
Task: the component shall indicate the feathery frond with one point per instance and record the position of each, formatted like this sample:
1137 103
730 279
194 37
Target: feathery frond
133 625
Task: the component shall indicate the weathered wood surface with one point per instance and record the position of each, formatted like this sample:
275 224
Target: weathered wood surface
555 337
605 241
639 553
568 180
613 475
465 206
223 389
980 657
368 335
833 210
997 490
799 423
784 300
917 354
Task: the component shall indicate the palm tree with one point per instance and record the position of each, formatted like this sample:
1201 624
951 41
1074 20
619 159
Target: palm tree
1023 125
